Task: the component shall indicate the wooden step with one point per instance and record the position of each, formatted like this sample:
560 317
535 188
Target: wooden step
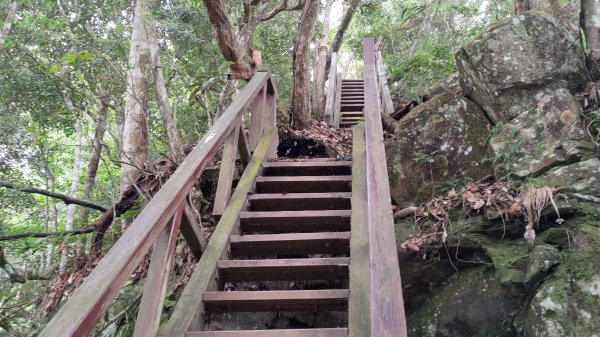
298 221
301 184
288 300
352 107
345 102
299 201
352 114
284 269
351 119
307 168
290 244
287 160
321 332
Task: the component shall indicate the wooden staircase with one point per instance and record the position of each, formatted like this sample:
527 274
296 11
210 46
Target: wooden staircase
352 102
286 220
297 209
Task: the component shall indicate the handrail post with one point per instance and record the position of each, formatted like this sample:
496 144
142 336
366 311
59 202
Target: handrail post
331 91
384 88
387 304
337 105
226 171
155 288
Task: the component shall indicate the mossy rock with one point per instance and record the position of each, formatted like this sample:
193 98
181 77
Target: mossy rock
567 304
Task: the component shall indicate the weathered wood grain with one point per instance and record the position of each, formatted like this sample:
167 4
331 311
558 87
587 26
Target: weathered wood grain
331 90
188 307
384 88
226 172
337 101
192 233
324 332
359 311
161 262
387 305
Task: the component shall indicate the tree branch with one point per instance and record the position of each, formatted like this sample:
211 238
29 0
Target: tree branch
45 234
64 198
283 7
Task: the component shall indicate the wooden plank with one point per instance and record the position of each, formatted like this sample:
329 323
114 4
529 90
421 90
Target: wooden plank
322 332
258 109
243 146
387 305
338 98
284 269
298 201
282 300
81 312
307 168
270 121
290 244
188 308
353 114
359 313
193 233
155 287
287 160
331 91
294 221
384 88
226 172
300 184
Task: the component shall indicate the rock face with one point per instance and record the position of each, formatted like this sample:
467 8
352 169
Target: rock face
567 304
566 12
513 62
471 304
485 279
535 141
581 178
439 141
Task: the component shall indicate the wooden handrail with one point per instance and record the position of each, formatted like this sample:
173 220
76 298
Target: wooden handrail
387 316
331 90
384 89
81 312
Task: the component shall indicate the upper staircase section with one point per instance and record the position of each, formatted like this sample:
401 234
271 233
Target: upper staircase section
345 101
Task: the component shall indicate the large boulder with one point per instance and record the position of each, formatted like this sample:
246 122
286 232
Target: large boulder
566 12
567 303
514 61
472 304
439 141
535 141
582 178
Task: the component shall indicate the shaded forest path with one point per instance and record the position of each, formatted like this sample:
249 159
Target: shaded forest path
298 221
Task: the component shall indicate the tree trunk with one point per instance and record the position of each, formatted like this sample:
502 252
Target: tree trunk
8 22
166 112
95 153
73 193
301 73
339 35
243 67
590 21
135 128
520 6
322 60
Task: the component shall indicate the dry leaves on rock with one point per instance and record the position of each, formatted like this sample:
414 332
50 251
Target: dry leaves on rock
496 198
